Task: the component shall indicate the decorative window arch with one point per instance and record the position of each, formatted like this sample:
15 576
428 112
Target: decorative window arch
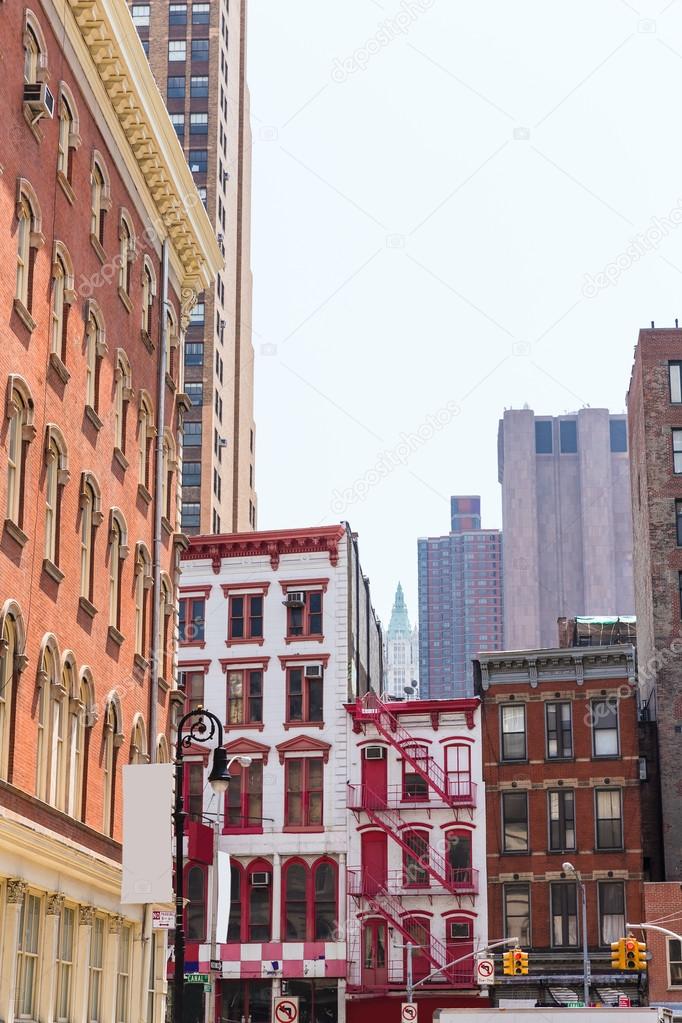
21 431
100 197
126 251
12 662
63 297
162 750
168 469
29 240
148 295
113 738
58 727
82 717
459 857
457 753
91 519
163 661
258 903
295 900
309 900
118 552
172 341
35 50
95 348
122 396
69 138
48 681
143 583
145 438
56 478
195 913
138 741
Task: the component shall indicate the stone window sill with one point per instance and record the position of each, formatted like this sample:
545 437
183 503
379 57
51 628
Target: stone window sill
140 662
24 315
59 368
143 493
121 458
170 383
125 298
115 636
87 606
65 186
93 417
49 568
16 532
166 526
302 724
97 246
146 341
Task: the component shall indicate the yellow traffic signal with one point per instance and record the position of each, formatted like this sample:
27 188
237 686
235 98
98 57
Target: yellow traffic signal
640 955
631 953
520 962
524 962
618 954
507 967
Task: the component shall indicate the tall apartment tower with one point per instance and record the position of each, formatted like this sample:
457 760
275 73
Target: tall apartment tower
197 53
566 519
401 652
460 601
655 420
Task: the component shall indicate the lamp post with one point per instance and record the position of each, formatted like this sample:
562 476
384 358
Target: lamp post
204 726
570 869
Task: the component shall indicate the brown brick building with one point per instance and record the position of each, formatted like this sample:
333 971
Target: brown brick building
93 191
561 770
663 902
655 424
197 52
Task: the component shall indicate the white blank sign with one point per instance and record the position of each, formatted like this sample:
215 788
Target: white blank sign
147 834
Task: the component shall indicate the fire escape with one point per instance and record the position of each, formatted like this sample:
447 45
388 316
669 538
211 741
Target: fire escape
384 896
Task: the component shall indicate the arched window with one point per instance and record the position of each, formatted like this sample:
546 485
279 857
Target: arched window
143 581
19 435
162 751
80 722
419 930
138 742
259 908
62 297
56 476
145 436
172 341
91 517
29 239
122 395
148 293
195 914
162 658
126 252
168 468
234 927
35 53
118 551
324 901
69 139
295 901
99 198
11 650
112 741
59 735
95 347
50 726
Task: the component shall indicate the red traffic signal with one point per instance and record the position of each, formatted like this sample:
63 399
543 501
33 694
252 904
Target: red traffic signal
631 950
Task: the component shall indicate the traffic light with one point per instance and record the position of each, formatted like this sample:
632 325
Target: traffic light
618 954
507 967
631 953
640 955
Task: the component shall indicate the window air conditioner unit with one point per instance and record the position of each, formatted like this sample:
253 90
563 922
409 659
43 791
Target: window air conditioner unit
39 99
375 753
313 671
294 598
260 879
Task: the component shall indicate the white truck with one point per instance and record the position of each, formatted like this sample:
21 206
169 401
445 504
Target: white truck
546 1014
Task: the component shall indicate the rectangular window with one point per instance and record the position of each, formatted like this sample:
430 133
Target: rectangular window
564 902
244 802
611 911
194 789
561 813
177 50
95 970
304 696
416 863
306 619
191 474
609 819
177 14
303 793
178 122
196 317
65 961
604 728
198 86
245 697
515 821
194 353
176 87
675 377
27 958
195 393
203 195
123 976
677 451
513 721
516 899
191 618
568 436
198 124
191 434
679 586
200 14
618 435
140 13
559 731
543 437
190 515
198 164
193 684
200 49
245 617
674 962
678 522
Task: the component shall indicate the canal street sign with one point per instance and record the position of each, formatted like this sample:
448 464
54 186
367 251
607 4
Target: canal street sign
197 978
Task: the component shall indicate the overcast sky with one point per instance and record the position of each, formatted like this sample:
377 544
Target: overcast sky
437 188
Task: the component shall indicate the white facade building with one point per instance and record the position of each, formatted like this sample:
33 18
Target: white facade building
401 653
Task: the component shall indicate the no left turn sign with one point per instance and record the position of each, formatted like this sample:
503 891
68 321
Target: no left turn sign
408 1012
485 971
286 1010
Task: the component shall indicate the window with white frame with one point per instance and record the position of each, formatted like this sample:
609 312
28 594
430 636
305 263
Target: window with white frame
96 970
611 911
674 953
513 729
604 714
66 956
123 975
28 951
609 818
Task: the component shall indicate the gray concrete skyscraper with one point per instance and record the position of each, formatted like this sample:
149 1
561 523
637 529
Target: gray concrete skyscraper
566 519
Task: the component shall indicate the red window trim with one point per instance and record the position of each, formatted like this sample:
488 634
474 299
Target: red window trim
195 591
305 796
255 588
232 829
246 690
186 872
186 599
245 872
250 747
417 829
247 637
304 584
291 660
226 663
306 634
309 895
406 764
303 744
306 721
194 666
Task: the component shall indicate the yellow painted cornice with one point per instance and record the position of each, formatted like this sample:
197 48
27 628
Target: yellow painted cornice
117 59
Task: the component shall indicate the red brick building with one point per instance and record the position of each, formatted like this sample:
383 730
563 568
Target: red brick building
562 774
655 425
663 904
104 251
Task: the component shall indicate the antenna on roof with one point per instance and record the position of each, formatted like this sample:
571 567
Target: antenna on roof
652 324
676 321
